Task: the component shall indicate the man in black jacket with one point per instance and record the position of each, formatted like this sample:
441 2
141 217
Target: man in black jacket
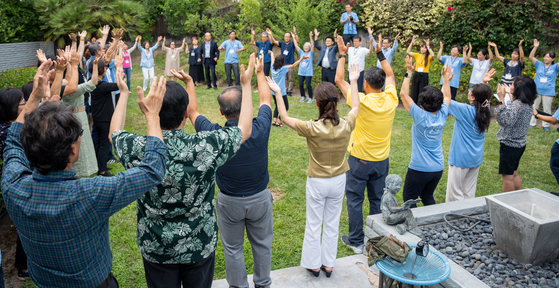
327 58
209 54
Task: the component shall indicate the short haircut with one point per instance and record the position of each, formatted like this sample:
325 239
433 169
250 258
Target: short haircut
278 62
524 89
329 37
375 77
231 31
358 38
9 104
94 48
48 134
347 4
174 106
457 47
145 42
431 99
27 89
387 38
100 67
230 101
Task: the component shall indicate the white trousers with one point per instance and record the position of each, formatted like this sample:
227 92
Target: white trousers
148 76
461 183
547 100
324 206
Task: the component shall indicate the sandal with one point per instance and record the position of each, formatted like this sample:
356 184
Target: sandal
275 123
280 124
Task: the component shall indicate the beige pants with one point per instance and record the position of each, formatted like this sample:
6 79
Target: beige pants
461 183
547 100
290 79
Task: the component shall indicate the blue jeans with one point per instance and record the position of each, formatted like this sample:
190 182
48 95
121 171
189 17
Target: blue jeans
363 174
128 72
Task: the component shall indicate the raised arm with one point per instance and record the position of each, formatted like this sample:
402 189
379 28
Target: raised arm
295 43
353 76
289 121
192 109
467 53
490 54
183 43
312 42
151 105
40 90
405 90
271 38
499 57
95 75
264 92
447 76
252 37
72 86
116 38
60 66
521 51
390 78
533 52
119 116
295 33
81 46
409 47
440 53
292 66
163 44
105 32
74 41
245 117
340 70
431 52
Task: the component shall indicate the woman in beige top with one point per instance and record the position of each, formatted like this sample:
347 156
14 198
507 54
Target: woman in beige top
173 59
327 140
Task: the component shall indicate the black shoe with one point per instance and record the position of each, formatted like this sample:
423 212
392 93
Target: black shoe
215 87
315 273
106 174
327 273
22 275
209 87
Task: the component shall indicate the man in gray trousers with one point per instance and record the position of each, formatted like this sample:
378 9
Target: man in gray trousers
244 200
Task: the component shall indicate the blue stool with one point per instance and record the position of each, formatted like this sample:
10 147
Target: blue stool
415 271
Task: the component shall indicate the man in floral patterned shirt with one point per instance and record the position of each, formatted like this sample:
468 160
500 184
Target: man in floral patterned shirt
177 229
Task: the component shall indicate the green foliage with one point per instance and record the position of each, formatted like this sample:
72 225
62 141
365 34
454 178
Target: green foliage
502 22
62 17
19 22
306 15
17 77
153 9
185 16
338 8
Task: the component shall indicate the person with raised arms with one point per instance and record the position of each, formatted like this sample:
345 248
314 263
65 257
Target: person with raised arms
455 63
327 57
480 64
305 68
263 47
288 52
232 48
357 54
514 65
172 57
386 49
147 62
423 61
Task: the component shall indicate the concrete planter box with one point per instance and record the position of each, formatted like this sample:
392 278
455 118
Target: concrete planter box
526 225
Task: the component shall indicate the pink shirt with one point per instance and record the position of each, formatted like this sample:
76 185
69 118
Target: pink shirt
127 62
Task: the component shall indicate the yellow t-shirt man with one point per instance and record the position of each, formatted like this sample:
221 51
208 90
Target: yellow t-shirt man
420 62
370 141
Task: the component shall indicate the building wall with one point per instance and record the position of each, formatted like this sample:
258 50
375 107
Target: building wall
17 55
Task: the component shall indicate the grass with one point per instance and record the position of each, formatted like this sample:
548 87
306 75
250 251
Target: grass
288 160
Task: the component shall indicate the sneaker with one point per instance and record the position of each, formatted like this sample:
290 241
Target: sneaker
303 99
22 275
106 174
289 94
356 249
255 91
546 129
310 100
112 161
532 127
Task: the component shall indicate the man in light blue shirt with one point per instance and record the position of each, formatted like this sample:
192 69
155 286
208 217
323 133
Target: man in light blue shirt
232 49
349 20
386 49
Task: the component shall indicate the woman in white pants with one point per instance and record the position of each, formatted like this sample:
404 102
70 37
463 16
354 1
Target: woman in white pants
468 139
546 75
147 62
327 140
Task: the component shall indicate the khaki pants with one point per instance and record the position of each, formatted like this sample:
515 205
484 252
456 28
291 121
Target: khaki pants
547 100
461 183
290 80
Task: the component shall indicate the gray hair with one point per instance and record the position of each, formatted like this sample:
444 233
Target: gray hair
230 101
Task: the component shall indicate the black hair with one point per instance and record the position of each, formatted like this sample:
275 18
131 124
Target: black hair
517 52
348 4
484 52
27 89
174 106
107 46
358 38
426 60
230 101
482 95
375 77
48 134
524 89
49 57
332 38
457 47
387 38
278 62
327 109
231 31
94 48
431 99
551 55
100 67
9 104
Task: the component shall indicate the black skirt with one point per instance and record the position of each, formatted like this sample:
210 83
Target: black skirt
197 73
419 80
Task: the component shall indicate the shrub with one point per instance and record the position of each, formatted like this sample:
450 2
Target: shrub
19 22
17 77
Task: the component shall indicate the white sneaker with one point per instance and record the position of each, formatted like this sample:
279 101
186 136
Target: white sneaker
303 99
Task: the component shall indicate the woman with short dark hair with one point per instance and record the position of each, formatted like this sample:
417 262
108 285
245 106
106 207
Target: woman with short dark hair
514 118
546 76
514 65
480 64
195 68
455 63
147 63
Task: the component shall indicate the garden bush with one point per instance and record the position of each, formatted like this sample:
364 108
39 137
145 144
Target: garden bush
17 77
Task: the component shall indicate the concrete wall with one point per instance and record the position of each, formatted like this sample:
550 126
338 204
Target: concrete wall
17 55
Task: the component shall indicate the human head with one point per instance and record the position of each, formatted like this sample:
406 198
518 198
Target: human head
94 49
431 99
515 55
278 62
264 36
482 55
287 37
172 45
374 77
124 45
194 40
11 104
386 42
356 41
146 45
232 35
307 47
524 89
173 109
423 48
326 97
329 41
100 68
208 36
479 97
425 52
230 101
50 137
393 183
549 57
455 50
27 89
348 7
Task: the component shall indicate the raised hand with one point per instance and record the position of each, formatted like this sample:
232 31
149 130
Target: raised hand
82 34
501 92
409 66
40 82
60 64
68 52
294 30
121 81
446 72
118 60
426 42
441 43
316 32
164 39
536 43
396 38
118 33
139 38
370 30
72 37
268 31
109 53
342 47
74 58
246 75
41 56
489 75
310 34
354 72
151 105
97 59
465 49
181 75
378 48
252 31
413 39
521 42
105 30
492 44
259 65
159 39
273 85
60 52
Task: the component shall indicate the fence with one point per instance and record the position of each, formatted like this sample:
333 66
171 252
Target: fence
17 55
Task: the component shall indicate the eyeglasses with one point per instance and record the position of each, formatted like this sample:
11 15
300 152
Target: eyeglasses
81 132
23 103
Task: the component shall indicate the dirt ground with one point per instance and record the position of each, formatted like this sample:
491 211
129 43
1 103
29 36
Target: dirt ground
8 247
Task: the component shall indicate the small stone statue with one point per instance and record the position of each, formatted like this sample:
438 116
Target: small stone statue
402 216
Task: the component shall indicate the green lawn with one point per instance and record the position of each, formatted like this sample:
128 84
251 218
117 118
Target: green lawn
288 160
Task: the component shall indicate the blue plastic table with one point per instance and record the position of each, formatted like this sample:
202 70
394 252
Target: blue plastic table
416 270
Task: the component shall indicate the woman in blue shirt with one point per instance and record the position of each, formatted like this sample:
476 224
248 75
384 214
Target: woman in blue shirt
279 70
455 63
468 139
429 118
554 159
147 62
546 75
306 68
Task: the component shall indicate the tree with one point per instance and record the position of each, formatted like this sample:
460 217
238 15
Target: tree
19 22
62 17
306 15
185 16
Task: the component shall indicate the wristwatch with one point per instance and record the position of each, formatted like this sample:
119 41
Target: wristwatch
342 56
537 115
407 75
500 103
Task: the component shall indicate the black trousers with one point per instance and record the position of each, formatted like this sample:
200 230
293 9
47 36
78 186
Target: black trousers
453 92
348 38
235 68
102 150
267 67
302 80
359 81
21 257
284 101
213 78
329 75
418 81
197 275
422 185
554 161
